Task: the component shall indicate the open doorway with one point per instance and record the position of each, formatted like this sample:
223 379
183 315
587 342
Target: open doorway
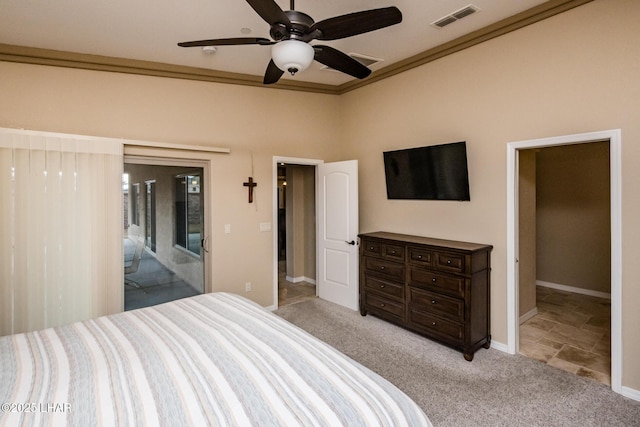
613 137
336 229
296 233
164 233
565 257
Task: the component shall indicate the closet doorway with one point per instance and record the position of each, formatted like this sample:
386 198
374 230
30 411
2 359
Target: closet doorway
565 258
515 249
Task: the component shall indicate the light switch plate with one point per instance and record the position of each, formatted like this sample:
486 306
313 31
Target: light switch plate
265 226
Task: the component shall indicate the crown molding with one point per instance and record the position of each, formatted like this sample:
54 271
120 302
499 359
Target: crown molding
30 55
56 58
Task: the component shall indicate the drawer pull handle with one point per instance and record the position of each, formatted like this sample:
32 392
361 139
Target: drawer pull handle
419 256
382 286
371 248
433 323
393 252
433 279
433 301
382 305
382 267
448 261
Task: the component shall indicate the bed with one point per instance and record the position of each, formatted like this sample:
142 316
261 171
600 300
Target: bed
214 359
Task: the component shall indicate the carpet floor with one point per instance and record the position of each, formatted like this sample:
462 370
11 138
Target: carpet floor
495 389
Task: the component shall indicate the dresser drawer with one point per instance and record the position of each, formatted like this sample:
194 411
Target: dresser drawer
434 325
393 252
385 287
420 256
429 279
374 302
448 262
388 269
434 303
371 248
384 250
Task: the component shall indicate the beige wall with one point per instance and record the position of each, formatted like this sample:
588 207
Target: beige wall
255 123
572 73
575 72
526 231
573 218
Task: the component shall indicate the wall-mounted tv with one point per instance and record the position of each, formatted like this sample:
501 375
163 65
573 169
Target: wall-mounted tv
436 172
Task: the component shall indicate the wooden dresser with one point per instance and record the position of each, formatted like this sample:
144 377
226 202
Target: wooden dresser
437 288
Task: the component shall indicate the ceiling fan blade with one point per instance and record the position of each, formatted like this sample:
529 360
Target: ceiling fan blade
227 42
273 73
355 23
270 12
340 61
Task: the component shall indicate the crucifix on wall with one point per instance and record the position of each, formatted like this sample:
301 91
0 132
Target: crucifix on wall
250 184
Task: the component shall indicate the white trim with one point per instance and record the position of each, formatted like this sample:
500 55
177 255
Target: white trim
630 393
63 142
288 161
130 142
614 137
300 279
499 346
573 289
528 315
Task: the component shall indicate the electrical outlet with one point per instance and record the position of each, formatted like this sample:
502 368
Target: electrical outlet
247 287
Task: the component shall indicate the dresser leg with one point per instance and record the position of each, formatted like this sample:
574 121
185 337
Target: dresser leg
468 356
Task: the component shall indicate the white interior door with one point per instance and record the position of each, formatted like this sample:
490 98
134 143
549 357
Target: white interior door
337 206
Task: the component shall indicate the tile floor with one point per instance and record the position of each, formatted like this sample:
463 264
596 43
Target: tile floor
571 332
291 293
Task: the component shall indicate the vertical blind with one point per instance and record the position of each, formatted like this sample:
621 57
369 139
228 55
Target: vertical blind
61 225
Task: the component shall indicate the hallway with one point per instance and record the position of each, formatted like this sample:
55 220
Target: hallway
291 293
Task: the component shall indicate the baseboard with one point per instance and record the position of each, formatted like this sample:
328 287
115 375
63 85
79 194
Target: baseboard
630 393
499 346
300 279
573 289
528 315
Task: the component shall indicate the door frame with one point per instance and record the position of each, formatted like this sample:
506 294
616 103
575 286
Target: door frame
614 137
150 214
149 156
292 161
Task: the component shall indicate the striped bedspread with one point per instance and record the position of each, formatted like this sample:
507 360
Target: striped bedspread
214 359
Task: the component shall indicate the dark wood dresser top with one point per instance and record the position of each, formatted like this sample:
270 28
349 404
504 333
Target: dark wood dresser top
465 246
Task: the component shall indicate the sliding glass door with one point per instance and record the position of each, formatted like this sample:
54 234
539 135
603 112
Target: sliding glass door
164 256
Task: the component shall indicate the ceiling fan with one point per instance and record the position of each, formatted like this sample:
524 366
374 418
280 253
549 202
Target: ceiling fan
292 31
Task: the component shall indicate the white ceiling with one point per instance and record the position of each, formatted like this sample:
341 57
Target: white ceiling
149 29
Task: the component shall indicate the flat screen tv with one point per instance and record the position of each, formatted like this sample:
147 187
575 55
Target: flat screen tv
436 172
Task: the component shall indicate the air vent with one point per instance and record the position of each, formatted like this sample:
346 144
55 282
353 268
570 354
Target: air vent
455 16
365 60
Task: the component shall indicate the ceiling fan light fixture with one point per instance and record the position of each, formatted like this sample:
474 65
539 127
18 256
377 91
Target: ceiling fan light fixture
292 55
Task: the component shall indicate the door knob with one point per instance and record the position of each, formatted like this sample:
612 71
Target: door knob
352 243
